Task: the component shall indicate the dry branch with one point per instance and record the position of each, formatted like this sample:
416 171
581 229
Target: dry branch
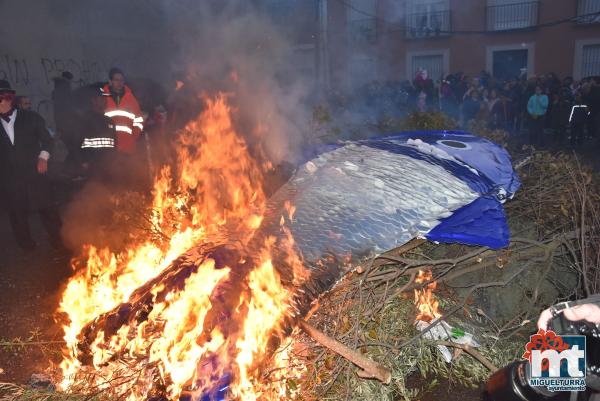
469 350
370 369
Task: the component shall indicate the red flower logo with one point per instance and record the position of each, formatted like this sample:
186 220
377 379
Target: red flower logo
542 341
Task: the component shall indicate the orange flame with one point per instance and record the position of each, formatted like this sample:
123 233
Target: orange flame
425 301
215 191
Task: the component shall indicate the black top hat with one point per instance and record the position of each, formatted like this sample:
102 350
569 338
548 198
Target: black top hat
5 87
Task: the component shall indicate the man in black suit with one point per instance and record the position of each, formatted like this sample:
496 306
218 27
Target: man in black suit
25 146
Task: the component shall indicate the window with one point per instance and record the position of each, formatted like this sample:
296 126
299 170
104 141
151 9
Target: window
510 61
296 19
587 7
426 18
433 64
362 25
509 64
505 15
590 60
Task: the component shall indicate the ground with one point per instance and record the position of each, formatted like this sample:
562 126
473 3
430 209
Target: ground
30 288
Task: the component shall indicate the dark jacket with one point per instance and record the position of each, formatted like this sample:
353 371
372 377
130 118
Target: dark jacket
579 114
470 108
64 104
21 186
99 137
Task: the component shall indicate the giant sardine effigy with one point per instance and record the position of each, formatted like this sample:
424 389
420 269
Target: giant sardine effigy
352 200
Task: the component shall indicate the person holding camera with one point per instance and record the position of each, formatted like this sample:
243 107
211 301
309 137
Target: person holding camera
588 311
581 317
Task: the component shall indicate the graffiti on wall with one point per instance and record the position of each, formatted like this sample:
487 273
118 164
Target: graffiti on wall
20 71
84 71
35 78
14 70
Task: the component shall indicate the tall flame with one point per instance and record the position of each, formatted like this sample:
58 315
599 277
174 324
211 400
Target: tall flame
425 301
214 190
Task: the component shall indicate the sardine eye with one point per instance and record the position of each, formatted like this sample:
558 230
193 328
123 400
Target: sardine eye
453 144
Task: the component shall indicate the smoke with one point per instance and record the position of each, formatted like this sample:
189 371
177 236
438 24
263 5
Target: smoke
230 47
234 47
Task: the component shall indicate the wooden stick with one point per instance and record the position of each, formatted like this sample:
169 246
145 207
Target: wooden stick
469 350
369 368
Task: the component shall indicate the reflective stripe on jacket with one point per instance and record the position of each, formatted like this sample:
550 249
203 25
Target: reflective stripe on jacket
98 143
579 112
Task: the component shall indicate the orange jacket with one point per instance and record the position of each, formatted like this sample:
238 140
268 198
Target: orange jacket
127 117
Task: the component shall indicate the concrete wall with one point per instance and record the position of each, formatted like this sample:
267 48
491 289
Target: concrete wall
39 39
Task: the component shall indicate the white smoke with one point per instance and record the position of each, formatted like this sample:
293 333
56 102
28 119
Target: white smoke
216 40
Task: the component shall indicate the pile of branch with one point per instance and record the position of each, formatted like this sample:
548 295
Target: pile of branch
555 221
364 328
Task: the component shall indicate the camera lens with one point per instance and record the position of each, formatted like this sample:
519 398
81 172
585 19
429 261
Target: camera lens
511 383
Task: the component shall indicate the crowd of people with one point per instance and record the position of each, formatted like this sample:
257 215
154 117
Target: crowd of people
559 112
563 111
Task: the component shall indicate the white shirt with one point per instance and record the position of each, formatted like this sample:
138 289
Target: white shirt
9 127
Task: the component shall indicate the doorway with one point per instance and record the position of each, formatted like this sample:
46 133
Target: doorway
508 64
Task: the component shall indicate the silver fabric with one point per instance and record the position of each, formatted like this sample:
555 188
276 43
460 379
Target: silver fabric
360 200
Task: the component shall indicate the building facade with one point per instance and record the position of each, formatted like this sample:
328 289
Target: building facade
391 39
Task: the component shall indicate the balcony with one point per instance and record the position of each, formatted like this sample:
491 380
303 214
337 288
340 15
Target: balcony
588 11
363 30
429 24
507 17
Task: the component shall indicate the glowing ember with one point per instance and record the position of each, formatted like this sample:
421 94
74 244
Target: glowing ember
180 347
425 301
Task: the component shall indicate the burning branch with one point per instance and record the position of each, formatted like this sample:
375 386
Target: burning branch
370 369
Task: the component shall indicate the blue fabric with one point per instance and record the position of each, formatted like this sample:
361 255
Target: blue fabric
482 155
482 222
477 183
484 166
219 391
486 157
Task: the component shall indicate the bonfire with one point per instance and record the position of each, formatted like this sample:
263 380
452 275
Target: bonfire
187 339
